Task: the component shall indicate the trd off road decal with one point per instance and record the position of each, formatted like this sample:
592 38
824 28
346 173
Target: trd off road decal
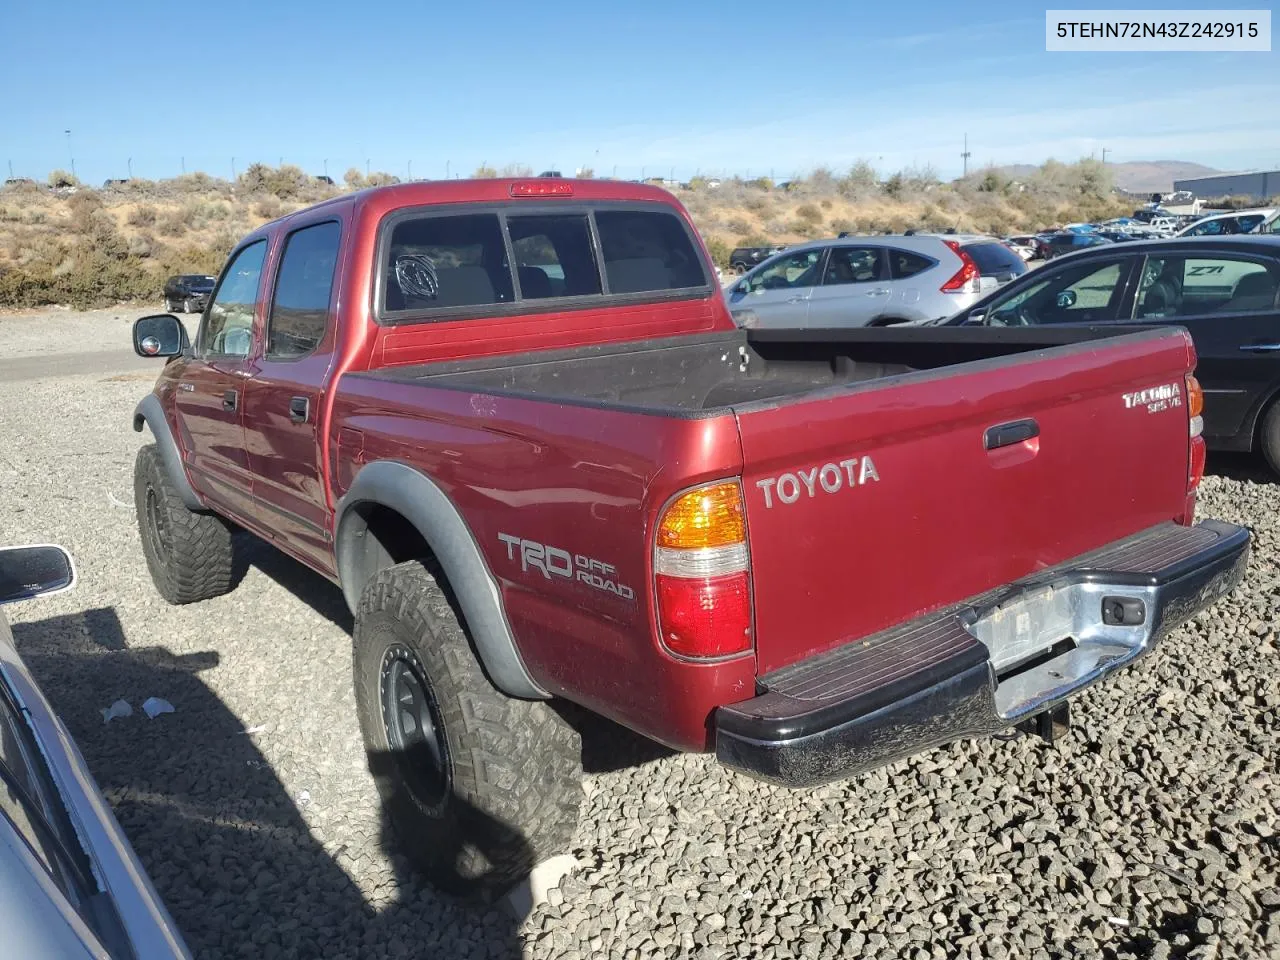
553 562
1164 397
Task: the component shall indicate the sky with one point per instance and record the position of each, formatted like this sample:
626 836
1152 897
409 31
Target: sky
653 89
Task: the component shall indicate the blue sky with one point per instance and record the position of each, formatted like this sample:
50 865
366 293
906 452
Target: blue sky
736 87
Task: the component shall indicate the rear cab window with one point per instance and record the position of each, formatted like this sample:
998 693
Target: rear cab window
445 265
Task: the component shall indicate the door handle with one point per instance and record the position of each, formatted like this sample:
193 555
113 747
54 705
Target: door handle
795 299
880 292
299 409
1007 434
229 399
1260 347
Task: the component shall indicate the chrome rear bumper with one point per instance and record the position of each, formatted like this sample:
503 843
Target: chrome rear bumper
982 666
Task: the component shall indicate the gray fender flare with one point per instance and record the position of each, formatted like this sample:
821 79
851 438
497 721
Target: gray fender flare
151 413
410 493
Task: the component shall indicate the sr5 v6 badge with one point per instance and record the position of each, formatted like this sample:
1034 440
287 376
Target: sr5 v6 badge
552 561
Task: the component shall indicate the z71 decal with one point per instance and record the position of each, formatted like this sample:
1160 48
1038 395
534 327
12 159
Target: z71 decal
552 561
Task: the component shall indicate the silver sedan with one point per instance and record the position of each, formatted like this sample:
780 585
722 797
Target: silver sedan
870 281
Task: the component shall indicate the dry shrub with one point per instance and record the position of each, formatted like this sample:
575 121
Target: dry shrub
143 216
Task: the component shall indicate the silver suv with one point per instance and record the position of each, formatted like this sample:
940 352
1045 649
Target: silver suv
871 281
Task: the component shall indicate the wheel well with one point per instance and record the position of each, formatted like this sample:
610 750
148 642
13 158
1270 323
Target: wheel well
1260 419
381 537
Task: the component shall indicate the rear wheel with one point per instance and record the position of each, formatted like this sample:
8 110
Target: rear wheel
1269 437
479 787
189 555
188 305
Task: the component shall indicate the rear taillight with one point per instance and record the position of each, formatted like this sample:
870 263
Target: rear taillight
1195 409
966 278
702 575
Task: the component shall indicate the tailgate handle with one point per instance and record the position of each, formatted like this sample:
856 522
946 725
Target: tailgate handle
1015 431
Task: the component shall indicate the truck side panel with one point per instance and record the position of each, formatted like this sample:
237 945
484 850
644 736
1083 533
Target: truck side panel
560 500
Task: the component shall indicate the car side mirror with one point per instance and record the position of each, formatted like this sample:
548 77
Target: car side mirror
1067 298
976 317
159 335
32 571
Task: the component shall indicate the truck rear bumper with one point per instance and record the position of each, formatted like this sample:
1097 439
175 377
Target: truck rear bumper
982 666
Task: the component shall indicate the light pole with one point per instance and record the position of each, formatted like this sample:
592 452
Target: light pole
129 162
326 168
71 153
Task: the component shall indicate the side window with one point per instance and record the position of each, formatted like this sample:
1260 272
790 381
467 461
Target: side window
441 262
554 256
300 308
787 272
854 265
647 251
904 263
1197 286
27 801
228 324
1081 293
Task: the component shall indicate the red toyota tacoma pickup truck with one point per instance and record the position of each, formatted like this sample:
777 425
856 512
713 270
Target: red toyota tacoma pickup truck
514 421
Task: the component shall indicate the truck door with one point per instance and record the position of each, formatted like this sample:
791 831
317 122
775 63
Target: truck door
210 399
283 409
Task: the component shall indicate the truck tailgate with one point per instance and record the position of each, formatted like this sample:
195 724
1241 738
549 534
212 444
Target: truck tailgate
873 504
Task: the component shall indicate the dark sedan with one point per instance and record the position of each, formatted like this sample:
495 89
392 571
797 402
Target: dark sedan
1223 290
188 292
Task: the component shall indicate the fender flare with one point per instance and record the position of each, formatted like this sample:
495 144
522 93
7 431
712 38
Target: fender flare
151 413
399 487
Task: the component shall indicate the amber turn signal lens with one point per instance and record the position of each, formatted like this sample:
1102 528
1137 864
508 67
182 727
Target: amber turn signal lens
1195 396
707 517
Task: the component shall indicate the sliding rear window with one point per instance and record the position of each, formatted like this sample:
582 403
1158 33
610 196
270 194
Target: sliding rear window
470 265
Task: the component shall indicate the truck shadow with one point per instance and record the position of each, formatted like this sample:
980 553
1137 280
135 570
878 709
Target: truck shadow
225 845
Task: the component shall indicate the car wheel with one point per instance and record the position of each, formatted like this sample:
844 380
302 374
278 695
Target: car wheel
479 787
188 305
739 268
168 305
190 555
1269 436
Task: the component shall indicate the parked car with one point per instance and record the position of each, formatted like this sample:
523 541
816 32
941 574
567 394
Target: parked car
1263 220
187 292
871 281
72 885
1066 241
589 485
742 259
1221 289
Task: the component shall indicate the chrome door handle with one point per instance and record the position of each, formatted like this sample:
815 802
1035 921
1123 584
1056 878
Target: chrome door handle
881 292
795 299
1260 347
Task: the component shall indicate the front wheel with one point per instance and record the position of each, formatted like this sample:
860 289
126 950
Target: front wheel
190 555
1269 437
188 305
479 787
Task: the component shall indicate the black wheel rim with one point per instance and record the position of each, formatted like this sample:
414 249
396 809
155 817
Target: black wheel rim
157 525
414 732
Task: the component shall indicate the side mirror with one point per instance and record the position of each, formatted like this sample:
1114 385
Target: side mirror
1067 298
31 571
976 317
159 335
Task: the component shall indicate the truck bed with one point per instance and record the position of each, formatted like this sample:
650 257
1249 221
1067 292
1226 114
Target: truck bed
699 376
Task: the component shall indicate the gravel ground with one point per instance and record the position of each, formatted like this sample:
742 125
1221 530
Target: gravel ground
1149 831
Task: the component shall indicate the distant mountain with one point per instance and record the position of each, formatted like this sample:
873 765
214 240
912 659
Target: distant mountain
1155 176
1135 176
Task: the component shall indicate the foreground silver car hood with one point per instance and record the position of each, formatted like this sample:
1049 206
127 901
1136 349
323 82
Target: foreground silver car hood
28 911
